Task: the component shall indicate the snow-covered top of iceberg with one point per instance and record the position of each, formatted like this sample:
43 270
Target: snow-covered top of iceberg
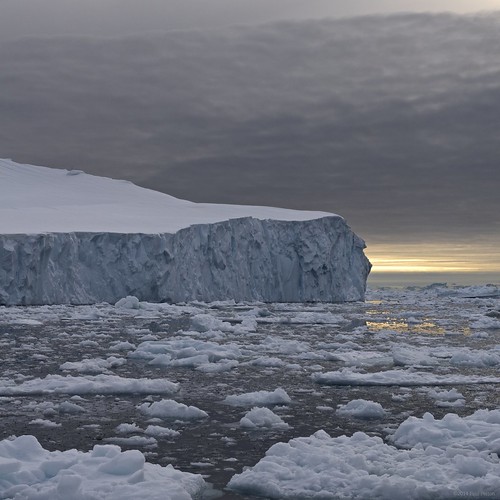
45 200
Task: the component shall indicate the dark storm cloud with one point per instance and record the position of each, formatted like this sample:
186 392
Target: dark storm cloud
391 121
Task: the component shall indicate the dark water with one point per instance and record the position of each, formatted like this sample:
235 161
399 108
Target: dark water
218 447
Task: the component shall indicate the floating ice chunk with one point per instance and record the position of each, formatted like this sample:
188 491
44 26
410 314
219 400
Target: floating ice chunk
481 291
258 418
45 423
278 345
276 397
247 325
451 404
266 361
361 466
306 318
25 321
479 431
189 353
29 472
356 357
89 384
143 441
361 408
71 408
480 335
223 365
451 395
412 356
122 346
168 408
95 365
347 376
485 322
128 428
469 357
158 431
206 322
128 302
155 431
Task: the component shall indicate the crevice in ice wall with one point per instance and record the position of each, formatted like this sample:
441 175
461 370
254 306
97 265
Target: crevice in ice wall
241 259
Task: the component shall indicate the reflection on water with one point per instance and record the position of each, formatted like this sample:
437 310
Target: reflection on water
427 327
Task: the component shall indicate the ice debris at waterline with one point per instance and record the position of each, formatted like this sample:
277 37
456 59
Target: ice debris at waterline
68 237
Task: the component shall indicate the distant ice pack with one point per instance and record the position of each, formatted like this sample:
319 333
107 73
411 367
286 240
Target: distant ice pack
67 237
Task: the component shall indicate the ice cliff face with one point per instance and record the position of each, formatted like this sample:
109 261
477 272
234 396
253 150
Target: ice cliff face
244 258
241 259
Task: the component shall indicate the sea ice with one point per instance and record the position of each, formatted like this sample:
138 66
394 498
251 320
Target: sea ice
347 376
361 466
201 355
29 472
96 365
168 408
262 418
89 384
276 397
479 431
361 408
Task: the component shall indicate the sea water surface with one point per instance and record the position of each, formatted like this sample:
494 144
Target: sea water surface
398 349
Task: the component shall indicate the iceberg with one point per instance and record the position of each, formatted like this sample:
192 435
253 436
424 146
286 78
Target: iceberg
67 237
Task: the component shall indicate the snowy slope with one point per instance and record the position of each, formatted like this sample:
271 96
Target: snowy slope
37 200
69 237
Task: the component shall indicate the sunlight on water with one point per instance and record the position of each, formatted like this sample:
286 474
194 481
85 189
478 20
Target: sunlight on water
398 325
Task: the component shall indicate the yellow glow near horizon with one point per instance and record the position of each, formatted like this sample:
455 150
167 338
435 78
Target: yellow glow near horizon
434 258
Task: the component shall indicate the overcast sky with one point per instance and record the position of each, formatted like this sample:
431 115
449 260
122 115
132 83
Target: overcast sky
121 17
392 121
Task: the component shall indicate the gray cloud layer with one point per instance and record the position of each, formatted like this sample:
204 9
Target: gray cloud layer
391 121
121 17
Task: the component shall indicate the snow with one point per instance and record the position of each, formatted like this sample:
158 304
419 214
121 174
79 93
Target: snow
276 397
29 472
37 200
83 239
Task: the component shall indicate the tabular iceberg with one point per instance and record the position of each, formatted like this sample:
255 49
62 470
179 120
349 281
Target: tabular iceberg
71 238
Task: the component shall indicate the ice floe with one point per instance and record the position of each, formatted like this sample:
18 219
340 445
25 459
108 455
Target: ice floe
361 408
262 418
278 396
451 458
170 409
347 376
90 384
29 472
